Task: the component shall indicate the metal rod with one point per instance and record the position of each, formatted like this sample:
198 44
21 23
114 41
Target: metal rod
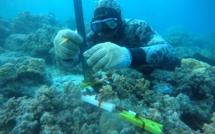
81 30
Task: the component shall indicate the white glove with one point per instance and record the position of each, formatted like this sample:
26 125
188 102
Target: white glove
66 44
107 56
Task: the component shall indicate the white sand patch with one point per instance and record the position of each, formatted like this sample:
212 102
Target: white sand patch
59 81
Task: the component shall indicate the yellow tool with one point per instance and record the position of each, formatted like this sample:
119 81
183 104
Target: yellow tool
126 115
64 41
67 39
142 122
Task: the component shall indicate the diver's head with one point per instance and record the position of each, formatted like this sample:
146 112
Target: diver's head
107 18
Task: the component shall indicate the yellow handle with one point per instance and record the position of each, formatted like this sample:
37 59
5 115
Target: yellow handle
144 123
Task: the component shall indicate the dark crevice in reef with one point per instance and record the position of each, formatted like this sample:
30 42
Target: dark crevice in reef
193 121
198 95
7 126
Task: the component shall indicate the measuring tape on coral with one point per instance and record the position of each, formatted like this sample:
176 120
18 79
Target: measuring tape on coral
126 115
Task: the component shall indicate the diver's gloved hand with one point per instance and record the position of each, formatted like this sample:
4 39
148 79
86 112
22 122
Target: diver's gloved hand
107 56
66 44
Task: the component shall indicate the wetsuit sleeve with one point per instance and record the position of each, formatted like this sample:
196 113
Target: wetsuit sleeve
91 39
154 50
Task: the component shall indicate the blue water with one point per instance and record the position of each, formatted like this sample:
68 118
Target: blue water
198 16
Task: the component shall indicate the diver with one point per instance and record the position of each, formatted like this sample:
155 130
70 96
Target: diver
115 43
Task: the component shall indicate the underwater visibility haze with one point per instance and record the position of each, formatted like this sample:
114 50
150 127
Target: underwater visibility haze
196 15
40 94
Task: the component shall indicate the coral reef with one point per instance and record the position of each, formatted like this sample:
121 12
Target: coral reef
136 92
4 30
209 128
105 92
187 44
30 35
26 23
178 36
31 102
9 57
61 111
126 84
195 80
184 52
49 112
110 123
22 76
39 43
195 65
15 42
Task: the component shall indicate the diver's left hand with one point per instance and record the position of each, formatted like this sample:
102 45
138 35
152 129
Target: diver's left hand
105 56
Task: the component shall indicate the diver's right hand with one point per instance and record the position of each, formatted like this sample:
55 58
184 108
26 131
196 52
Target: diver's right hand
66 44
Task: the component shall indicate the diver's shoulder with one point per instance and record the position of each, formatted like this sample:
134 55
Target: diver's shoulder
135 22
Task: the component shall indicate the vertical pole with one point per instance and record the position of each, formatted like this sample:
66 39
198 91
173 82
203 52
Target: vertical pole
81 30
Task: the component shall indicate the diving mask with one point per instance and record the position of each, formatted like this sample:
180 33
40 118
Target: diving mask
106 25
